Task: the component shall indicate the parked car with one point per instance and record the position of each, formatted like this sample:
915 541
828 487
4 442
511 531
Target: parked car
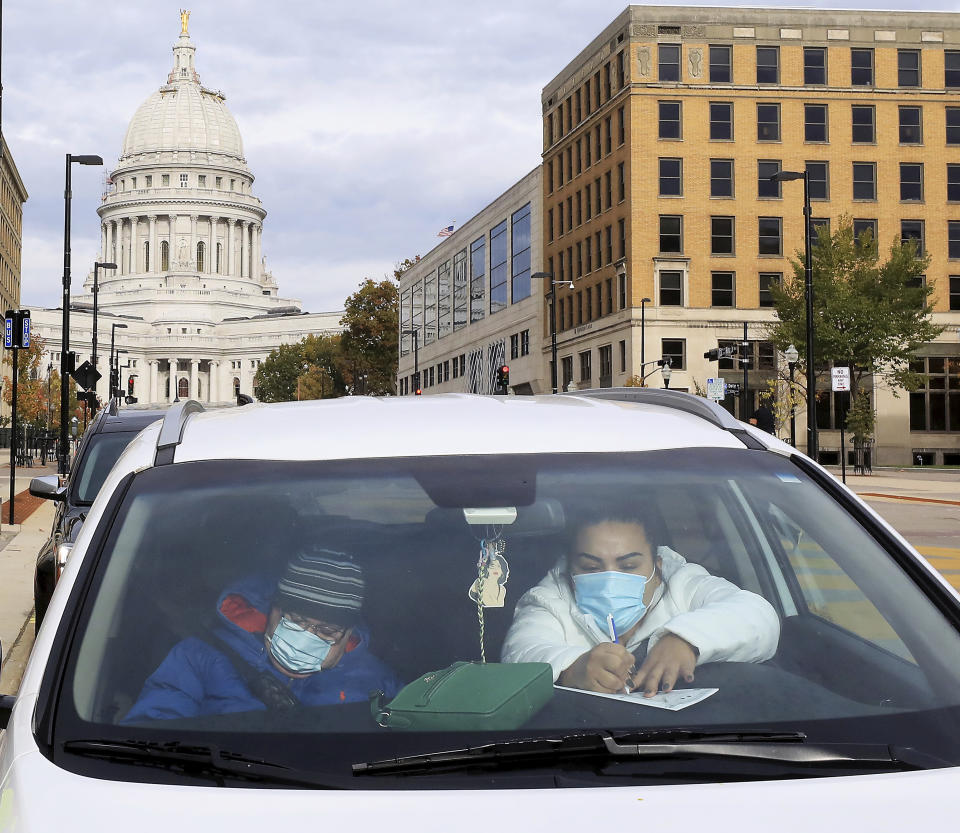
104 440
181 650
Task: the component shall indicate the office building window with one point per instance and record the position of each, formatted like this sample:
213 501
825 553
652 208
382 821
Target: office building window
721 177
609 295
911 125
668 62
721 236
674 349
768 122
621 183
721 120
818 180
770 235
622 237
515 346
671 288
671 177
864 124
951 68
953 183
955 295
908 67
671 233
817 223
606 365
622 290
722 289
913 230
814 65
670 126
623 356
585 370
864 180
520 257
861 67
621 127
953 125
815 122
768 64
865 231
767 280
935 405
911 181
767 187
953 240
721 60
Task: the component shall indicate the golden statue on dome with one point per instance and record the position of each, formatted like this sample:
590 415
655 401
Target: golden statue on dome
184 20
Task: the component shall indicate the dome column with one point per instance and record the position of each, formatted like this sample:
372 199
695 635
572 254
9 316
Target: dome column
211 247
173 380
192 257
214 390
103 241
154 254
244 249
194 379
257 243
109 255
134 222
154 379
231 260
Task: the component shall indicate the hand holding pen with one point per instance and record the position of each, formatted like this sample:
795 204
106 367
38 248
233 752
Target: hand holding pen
612 630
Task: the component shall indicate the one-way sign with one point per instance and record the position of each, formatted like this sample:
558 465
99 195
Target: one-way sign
86 376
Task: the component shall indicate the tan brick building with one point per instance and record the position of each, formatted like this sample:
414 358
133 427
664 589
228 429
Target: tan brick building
13 195
659 140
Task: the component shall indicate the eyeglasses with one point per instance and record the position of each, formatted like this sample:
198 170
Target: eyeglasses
331 633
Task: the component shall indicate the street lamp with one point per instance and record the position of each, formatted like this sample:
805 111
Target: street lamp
113 332
666 372
46 437
643 335
96 288
792 355
789 176
65 335
553 323
416 366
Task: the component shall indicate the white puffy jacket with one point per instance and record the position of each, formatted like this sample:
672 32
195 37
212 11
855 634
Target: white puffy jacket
718 618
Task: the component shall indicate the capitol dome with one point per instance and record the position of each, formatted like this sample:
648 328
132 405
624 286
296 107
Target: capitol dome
183 115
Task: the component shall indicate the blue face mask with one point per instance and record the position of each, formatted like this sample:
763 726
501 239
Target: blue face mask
298 650
612 592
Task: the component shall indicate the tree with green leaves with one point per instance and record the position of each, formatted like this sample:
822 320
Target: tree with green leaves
868 315
369 340
310 369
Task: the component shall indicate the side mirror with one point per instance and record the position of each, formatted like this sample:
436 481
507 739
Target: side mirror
48 487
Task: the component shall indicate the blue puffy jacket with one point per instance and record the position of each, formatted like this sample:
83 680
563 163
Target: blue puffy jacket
196 678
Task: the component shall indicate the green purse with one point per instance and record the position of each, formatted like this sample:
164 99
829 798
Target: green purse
468 696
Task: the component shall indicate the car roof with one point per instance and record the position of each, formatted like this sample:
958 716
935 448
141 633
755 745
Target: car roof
446 424
127 419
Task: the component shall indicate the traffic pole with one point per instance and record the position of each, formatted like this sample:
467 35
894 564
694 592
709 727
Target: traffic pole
13 435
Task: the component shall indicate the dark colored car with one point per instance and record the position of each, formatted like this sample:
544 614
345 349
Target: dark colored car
102 444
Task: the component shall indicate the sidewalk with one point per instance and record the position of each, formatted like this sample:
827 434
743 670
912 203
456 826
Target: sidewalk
936 487
19 545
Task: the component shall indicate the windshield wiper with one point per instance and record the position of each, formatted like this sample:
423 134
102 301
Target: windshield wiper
196 759
772 747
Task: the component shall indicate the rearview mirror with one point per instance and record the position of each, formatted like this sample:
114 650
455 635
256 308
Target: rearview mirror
48 487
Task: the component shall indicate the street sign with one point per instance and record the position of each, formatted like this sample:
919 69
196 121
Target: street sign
716 389
86 376
25 335
733 388
840 377
8 329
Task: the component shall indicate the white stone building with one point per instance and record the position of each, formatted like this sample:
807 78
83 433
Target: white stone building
191 304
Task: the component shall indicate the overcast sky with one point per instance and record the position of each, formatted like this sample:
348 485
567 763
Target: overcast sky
368 126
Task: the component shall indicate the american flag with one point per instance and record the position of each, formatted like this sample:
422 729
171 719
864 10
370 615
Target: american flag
446 231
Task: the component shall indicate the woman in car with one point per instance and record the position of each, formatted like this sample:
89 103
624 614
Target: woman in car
618 614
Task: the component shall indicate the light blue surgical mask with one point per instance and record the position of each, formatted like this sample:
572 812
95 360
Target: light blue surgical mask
612 593
298 650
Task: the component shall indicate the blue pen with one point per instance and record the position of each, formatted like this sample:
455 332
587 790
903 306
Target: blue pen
612 630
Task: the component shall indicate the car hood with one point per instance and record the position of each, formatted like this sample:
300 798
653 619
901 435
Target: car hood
870 802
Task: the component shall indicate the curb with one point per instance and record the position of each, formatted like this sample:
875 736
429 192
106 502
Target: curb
911 498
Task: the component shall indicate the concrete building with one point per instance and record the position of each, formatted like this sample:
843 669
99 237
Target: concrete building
13 195
473 305
192 306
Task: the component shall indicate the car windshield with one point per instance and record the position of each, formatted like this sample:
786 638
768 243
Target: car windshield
102 452
342 582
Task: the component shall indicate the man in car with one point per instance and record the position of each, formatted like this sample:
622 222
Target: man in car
618 614
276 644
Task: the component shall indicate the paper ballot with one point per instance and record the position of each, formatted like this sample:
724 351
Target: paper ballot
670 700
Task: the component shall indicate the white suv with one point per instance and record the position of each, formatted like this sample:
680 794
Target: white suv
621 588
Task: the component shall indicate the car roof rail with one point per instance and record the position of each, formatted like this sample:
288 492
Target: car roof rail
171 432
678 400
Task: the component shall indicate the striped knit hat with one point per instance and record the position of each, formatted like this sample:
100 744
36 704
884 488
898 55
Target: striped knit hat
323 584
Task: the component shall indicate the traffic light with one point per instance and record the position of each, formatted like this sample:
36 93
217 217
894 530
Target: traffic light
114 382
130 386
71 362
503 377
712 355
417 391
